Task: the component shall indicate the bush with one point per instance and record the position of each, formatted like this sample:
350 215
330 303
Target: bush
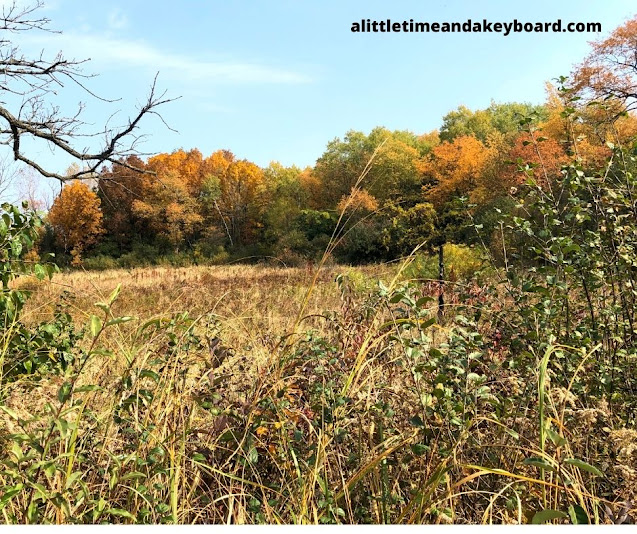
461 263
100 263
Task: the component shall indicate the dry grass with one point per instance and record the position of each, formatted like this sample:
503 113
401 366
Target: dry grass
249 300
290 428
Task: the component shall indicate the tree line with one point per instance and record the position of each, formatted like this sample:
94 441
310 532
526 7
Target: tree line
376 196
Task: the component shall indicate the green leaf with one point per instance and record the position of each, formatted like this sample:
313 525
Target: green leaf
11 413
538 462
64 392
423 300
32 511
578 515
417 421
547 515
17 451
73 478
39 271
134 475
114 294
91 387
147 373
427 323
16 247
6 219
585 466
253 455
121 513
9 493
104 307
95 325
419 449
557 440
119 320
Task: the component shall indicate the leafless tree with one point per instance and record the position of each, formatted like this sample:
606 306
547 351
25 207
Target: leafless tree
30 188
8 175
28 117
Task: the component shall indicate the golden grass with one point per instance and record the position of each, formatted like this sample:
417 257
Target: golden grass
249 300
228 435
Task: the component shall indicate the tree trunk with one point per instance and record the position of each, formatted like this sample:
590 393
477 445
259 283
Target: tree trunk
441 281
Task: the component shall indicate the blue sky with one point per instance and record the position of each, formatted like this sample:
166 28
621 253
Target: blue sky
277 80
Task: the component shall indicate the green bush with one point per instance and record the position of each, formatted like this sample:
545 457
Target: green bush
100 263
461 263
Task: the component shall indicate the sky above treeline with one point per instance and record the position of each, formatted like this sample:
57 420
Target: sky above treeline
277 80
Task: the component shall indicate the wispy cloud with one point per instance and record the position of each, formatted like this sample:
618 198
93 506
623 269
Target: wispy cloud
122 53
117 19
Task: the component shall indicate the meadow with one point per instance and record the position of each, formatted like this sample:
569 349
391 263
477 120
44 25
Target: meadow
261 394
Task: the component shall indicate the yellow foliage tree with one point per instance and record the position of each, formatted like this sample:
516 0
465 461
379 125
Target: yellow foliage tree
456 168
169 210
241 199
76 219
189 166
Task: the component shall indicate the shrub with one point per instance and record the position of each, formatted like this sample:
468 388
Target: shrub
100 263
461 264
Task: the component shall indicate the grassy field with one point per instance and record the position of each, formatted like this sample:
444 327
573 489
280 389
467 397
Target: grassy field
237 395
248 300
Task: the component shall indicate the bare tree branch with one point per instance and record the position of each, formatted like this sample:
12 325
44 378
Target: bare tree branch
33 81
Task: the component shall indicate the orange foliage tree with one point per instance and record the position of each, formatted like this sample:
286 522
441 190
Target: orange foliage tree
189 166
455 168
76 219
169 210
610 70
544 156
358 200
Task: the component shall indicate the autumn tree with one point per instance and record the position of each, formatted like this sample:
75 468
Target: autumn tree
482 124
76 219
118 188
455 168
241 199
389 160
233 196
541 156
190 166
586 130
610 70
358 201
169 210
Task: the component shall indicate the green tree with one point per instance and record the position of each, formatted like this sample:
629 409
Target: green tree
284 197
481 124
393 173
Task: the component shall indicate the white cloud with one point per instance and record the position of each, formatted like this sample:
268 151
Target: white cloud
117 20
113 52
